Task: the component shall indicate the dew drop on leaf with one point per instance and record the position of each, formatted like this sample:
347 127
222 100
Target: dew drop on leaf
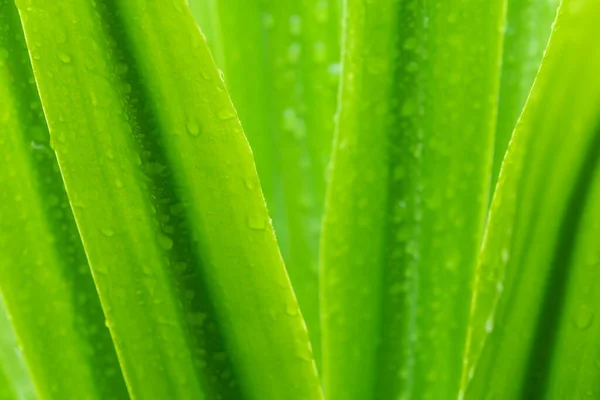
64 58
225 114
584 317
193 128
257 223
107 232
295 25
165 242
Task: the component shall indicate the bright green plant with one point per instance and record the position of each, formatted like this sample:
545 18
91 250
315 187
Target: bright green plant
137 254
288 52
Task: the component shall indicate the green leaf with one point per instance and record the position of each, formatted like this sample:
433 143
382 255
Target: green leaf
168 202
528 27
44 277
281 64
408 194
532 331
15 380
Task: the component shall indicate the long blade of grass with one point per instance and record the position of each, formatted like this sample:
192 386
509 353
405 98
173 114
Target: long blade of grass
575 359
281 64
15 380
530 286
168 203
527 29
44 277
404 215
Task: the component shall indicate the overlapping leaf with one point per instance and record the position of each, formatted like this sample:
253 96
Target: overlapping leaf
526 33
168 203
281 63
408 194
44 276
15 380
532 331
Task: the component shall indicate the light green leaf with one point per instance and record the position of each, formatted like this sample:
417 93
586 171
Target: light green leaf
44 277
531 333
281 63
408 194
15 380
168 203
527 29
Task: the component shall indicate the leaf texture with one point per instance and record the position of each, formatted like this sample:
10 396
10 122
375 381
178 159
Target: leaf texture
281 62
532 332
404 215
168 203
527 30
15 380
44 276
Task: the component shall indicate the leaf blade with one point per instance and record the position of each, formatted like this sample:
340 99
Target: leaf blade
528 27
404 217
44 276
291 51
173 163
523 256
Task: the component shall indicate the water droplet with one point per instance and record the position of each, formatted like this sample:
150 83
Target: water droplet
222 76
257 223
584 317
268 21
121 68
399 174
505 255
489 324
499 287
294 52
225 114
409 108
291 310
320 52
249 184
192 128
334 69
107 232
322 11
65 58
165 242
295 25
410 43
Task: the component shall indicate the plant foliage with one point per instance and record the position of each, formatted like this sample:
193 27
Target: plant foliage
430 168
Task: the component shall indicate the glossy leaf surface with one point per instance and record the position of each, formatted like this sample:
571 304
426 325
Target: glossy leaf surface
528 27
404 214
281 64
532 331
44 276
15 380
168 202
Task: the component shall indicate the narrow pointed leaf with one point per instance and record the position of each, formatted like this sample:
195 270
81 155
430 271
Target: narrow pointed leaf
404 214
168 202
575 360
15 380
281 64
528 27
44 277
532 314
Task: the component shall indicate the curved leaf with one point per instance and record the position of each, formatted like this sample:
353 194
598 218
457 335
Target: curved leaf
44 276
281 64
168 202
404 215
530 278
528 27
15 380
